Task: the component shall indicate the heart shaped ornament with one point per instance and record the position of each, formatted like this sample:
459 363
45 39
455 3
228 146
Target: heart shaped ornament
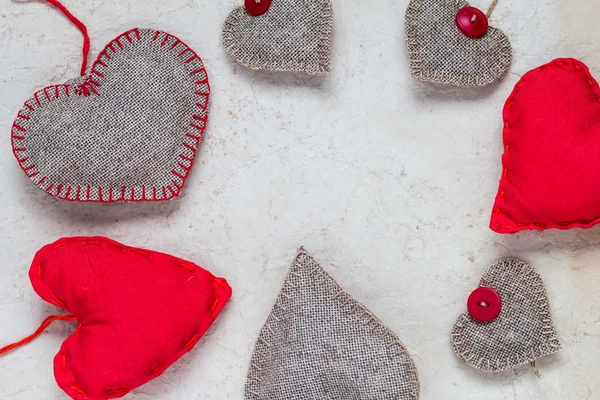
292 35
521 332
550 171
439 52
319 343
139 311
129 131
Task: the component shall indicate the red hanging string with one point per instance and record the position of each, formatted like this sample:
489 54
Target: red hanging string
82 28
42 328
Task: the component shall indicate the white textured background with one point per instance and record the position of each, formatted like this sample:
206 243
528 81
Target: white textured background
387 181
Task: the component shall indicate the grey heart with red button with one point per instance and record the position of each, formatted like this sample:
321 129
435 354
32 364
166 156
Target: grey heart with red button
522 330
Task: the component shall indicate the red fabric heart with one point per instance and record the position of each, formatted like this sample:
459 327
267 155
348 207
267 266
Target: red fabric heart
139 311
550 174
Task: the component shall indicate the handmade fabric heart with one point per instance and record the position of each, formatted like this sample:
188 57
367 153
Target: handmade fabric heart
551 135
292 35
127 132
439 52
522 332
319 343
139 311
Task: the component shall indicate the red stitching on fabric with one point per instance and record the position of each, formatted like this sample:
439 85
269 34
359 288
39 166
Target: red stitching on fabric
79 390
59 301
498 210
189 268
25 117
116 392
192 340
91 85
155 370
215 304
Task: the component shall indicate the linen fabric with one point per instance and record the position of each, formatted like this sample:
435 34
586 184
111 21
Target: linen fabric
292 35
127 132
139 311
550 171
319 343
522 332
439 52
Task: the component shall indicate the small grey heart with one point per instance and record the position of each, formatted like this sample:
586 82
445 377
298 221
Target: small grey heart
293 35
439 52
522 332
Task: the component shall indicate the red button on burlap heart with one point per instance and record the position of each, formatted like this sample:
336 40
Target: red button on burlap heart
550 174
127 132
439 52
139 311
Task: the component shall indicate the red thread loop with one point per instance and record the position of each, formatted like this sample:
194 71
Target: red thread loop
82 28
42 328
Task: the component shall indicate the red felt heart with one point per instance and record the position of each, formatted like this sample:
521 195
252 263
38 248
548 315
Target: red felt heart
139 311
551 174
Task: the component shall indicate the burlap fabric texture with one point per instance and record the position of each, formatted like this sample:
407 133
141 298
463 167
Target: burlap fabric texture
319 343
522 333
293 35
439 52
127 132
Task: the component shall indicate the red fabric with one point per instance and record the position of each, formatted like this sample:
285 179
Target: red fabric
551 165
138 311
81 27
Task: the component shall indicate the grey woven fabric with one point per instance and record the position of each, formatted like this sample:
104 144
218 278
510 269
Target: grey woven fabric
129 131
522 333
293 35
319 343
440 53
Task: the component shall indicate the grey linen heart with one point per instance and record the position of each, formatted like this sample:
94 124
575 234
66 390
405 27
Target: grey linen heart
293 35
522 332
319 343
439 52
127 132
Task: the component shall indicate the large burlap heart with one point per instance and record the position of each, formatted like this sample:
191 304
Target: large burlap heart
127 132
293 35
319 343
139 311
550 174
522 332
440 53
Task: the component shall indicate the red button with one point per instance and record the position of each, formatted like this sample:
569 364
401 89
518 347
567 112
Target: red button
484 304
257 7
471 21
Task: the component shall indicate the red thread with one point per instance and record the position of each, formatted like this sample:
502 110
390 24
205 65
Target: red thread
155 370
59 301
82 28
215 304
194 338
187 267
116 391
47 322
79 390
